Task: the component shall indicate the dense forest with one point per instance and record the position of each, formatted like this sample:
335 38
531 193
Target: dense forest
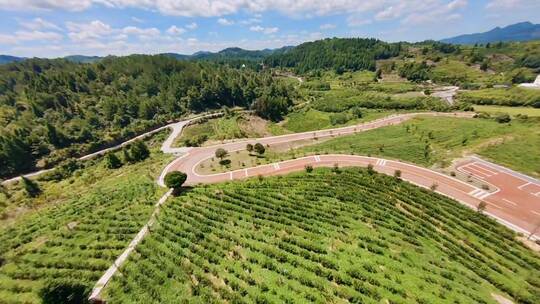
339 54
52 110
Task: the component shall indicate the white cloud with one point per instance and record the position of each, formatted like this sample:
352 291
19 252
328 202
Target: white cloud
138 20
497 4
251 21
30 36
96 30
174 30
39 24
192 26
436 12
327 26
225 22
84 31
70 5
355 21
133 30
266 30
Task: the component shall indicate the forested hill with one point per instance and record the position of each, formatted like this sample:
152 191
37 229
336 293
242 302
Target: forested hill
340 54
55 109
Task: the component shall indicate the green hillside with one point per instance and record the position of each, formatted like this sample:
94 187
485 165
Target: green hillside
324 237
54 109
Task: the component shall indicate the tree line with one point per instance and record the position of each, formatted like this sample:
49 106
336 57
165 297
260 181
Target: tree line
55 109
339 54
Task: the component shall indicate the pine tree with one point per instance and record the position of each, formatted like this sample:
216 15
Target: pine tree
112 161
31 187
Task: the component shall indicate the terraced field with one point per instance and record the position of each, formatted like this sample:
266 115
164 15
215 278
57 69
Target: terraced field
75 229
330 236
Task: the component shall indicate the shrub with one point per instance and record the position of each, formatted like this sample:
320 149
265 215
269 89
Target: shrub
175 179
370 169
31 187
338 119
259 148
309 168
249 148
503 118
112 161
66 292
221 153
397 174
139 151
481 207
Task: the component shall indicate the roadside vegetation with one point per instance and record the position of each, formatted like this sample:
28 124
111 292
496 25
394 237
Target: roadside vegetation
427 141
51 110
330 235
61 240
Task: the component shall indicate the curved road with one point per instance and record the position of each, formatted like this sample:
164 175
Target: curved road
512 200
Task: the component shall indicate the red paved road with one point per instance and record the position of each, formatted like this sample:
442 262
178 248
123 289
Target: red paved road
520 217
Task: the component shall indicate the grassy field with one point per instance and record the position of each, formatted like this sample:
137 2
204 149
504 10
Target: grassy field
429 140
75 228
503 97
324 237
423 140
311 119
531 112
230 127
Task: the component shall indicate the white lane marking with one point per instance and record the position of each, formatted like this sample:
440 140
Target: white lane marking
381 162
474 192
476 172
245 172
317 158
276 166
484 195
481 168
509 201
524 185
230 175
535 212
480 194
493 205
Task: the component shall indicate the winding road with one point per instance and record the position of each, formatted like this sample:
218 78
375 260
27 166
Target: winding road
513 199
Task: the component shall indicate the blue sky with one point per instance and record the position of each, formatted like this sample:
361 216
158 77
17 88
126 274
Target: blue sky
55 28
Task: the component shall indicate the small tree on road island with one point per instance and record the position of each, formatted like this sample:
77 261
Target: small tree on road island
259 148
249 148
221 153
175 179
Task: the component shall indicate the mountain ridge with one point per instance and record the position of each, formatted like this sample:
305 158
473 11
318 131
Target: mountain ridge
521 31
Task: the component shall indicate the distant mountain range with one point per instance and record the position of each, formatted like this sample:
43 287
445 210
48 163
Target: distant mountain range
225 54
7 59
523 31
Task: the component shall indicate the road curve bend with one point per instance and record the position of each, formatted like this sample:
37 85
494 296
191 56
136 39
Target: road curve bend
516 208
